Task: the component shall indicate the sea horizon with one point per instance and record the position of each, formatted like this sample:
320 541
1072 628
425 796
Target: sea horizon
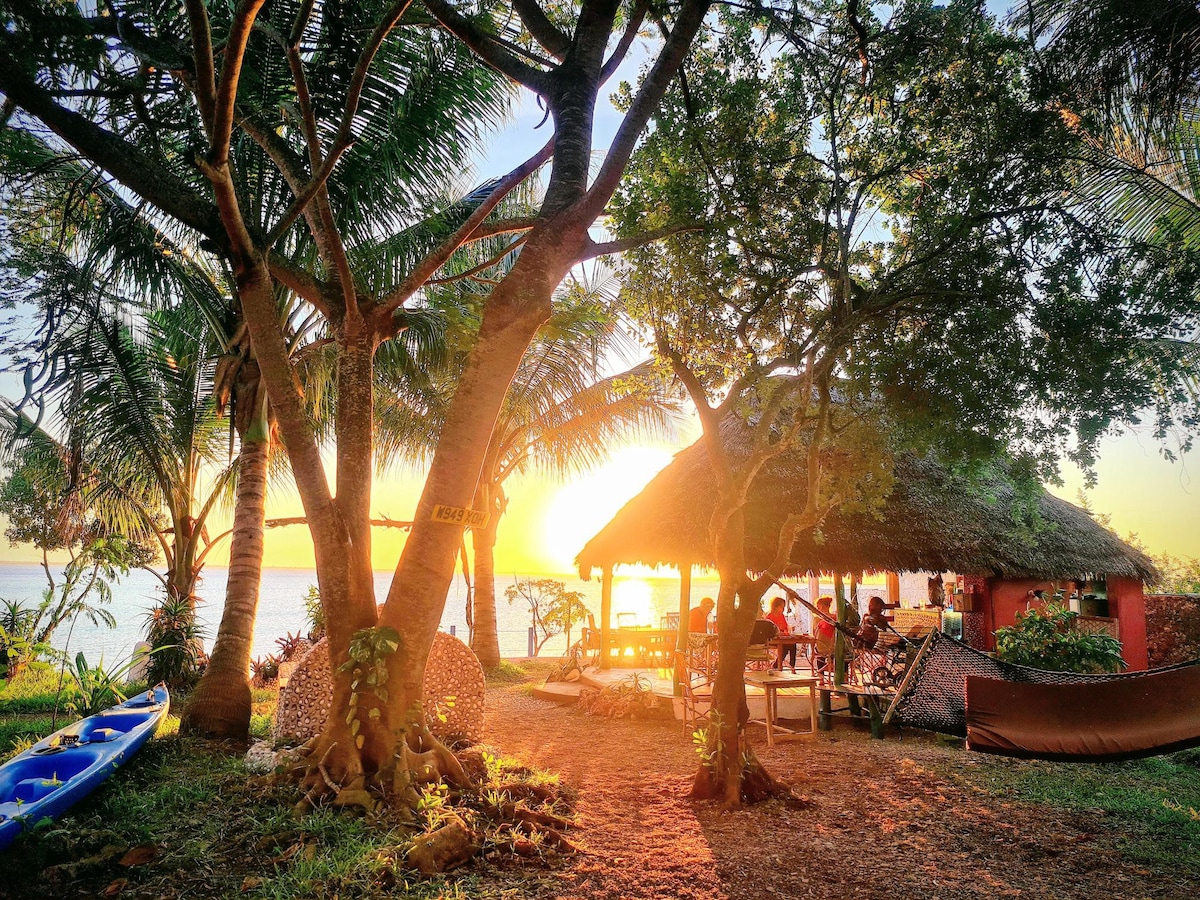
648 596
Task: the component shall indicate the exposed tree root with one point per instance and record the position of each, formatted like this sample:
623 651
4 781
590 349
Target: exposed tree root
745 781
446 848
466 804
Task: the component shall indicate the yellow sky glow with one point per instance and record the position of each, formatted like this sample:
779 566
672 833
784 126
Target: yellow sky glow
548 521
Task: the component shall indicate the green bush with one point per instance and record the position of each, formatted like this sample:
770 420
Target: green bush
1050 640
175 643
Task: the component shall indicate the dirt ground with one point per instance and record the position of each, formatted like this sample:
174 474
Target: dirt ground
883 819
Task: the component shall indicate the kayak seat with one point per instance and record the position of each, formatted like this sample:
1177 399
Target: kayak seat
21 779
103 735
34 789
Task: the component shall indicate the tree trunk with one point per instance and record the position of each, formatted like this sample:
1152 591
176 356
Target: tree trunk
347 596
220 705
730 772
517 308
485 640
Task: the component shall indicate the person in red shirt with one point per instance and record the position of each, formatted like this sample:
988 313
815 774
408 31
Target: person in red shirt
698 616
777 616
824 632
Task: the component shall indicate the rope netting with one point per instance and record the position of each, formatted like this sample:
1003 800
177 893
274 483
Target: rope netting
933 694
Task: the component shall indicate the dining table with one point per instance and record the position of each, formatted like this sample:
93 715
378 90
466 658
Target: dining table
803 643
771 682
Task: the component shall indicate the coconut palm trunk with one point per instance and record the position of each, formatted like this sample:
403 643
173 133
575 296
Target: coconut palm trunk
485 640
221 704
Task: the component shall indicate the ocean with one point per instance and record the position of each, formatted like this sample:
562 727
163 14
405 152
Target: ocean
643 600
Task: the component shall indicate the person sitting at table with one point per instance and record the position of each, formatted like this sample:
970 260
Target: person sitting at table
824 633
698 616
872 623
776 615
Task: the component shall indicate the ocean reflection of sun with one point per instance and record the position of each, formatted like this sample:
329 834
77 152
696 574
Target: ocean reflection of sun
583 507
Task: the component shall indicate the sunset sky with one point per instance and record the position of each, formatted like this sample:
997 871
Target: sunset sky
548 522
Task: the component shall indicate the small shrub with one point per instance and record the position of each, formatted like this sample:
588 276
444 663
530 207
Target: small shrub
507 673
95 688
264 670
1049 640
291 646
315 613
631 698
174 637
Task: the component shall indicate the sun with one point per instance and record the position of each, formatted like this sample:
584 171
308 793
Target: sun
584 506
632 602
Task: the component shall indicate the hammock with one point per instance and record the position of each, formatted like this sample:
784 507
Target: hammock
1144 715
949 686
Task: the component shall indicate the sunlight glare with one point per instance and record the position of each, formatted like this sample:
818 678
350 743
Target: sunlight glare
583 507
633 597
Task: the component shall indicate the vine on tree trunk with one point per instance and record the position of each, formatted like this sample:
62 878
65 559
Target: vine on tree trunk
367 665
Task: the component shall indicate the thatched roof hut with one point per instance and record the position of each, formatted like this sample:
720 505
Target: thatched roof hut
933 521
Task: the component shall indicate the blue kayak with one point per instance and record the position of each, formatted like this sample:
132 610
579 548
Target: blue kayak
58 771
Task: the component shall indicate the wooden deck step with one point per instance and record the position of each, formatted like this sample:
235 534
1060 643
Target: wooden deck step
565 693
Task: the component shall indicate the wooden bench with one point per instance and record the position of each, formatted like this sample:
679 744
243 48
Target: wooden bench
876 701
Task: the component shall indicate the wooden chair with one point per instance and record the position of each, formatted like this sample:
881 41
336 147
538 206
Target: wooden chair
697 694
759 655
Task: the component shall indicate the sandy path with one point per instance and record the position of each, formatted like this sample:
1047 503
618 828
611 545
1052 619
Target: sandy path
890 820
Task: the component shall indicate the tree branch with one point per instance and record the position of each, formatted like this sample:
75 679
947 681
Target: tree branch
486 264
300 282
231 71
670 59
202 59
631 31
545 32
383 522
593 249
486 47
436 259
342 140
502 226
133 168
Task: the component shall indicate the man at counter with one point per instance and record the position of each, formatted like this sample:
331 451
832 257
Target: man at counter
698 616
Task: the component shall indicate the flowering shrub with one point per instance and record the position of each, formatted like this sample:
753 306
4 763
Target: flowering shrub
1050 640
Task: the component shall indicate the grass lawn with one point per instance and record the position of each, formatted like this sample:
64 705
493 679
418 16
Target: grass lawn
185 817
1150 807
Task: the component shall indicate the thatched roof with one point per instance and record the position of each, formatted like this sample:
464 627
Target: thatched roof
932 521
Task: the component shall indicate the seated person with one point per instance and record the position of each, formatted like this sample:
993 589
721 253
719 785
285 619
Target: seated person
824 632
872 624
698 616
780 620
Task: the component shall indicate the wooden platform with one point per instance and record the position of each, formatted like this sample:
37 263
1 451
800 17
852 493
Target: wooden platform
663 686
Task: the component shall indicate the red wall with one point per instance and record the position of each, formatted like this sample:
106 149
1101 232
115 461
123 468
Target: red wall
1126 603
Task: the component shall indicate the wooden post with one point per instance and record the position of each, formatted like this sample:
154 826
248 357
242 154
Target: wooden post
814 587
681 634
839 643
606 586
855 578
893 587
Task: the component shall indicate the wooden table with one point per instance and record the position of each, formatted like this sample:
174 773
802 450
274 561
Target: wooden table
771 683
804 644
645 645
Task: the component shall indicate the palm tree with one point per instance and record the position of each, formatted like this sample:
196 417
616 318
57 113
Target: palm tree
1116 55
139 403
69 239
560 416
1130 78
